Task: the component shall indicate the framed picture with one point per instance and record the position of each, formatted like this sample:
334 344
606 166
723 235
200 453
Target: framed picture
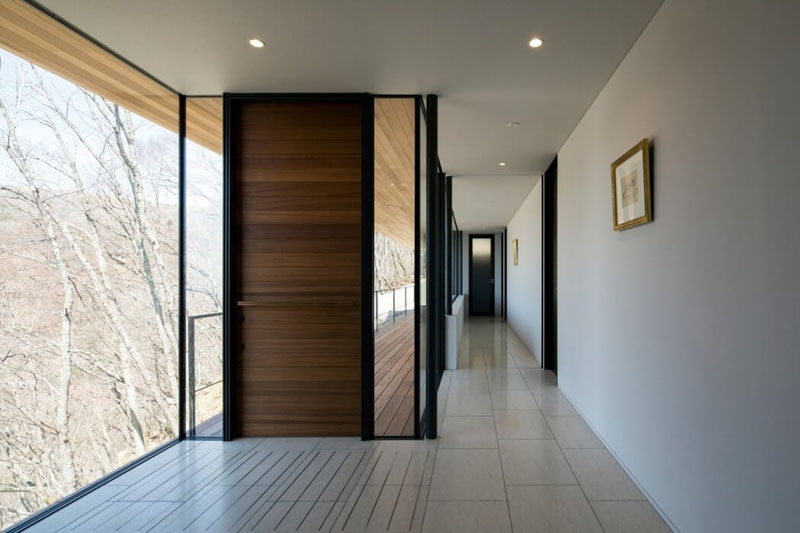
515 250
631 198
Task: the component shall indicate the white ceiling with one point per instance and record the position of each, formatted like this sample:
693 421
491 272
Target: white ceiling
472 53
488 203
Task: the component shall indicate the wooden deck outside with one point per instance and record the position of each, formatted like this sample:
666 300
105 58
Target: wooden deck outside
210 428
394 378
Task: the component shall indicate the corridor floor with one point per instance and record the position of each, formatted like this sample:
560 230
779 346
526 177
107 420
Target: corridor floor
513 454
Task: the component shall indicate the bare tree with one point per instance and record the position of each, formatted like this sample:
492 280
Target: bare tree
88 288
47 222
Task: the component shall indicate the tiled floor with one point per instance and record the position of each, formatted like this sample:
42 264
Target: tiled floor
513 454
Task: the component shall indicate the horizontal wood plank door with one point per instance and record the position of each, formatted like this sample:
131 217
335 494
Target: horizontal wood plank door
296 173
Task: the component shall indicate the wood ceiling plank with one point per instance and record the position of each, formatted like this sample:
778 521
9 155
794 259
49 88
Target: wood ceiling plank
395 163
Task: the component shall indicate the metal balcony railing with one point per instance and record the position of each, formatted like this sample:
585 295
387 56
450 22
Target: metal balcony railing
390 304
190 370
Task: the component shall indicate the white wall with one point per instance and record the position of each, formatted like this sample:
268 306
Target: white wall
679 341
498 269
525 279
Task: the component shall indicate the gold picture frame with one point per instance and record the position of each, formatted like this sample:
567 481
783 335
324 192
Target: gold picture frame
515 250
631 197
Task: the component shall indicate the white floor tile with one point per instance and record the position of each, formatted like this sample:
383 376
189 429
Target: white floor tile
467 475
505 378
468 432
601 477
573 432
470 383
552 402
534 462
513 399
466 517
551 509
629 517
469 405
521 424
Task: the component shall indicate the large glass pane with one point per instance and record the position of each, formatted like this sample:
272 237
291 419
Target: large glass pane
393 300
88 284
422 254
453 252
203 251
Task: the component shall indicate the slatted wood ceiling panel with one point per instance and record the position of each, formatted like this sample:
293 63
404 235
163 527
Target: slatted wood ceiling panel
35 36
204 122
394 168
297 235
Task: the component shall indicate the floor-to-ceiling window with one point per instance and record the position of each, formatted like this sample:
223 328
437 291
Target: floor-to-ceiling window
203 274
455 258
393 301
88 268
422 262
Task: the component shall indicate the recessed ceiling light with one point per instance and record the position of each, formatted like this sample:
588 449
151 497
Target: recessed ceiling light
502 163
536 42
256 43
513 124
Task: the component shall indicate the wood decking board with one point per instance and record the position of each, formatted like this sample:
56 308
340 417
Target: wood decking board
394 378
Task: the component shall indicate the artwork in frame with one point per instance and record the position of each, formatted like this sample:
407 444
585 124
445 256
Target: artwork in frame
515 250
631 195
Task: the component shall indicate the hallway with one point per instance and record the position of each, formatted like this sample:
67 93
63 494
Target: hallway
513 453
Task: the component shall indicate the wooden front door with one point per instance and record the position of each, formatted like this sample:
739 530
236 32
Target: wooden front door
296 173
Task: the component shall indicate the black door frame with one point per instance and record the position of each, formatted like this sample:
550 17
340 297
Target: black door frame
367 249
419 112
471 277
503 276
435 273
549 272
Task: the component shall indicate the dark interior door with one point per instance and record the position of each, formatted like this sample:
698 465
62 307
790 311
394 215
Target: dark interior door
296 186
481 274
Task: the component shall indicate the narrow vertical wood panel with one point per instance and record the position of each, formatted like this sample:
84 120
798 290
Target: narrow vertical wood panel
296 182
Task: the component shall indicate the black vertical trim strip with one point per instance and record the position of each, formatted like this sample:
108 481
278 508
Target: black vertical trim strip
449 247
418 107
434 263
505 273
502 273
367 268
182 267
227 269
549 263
444 295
